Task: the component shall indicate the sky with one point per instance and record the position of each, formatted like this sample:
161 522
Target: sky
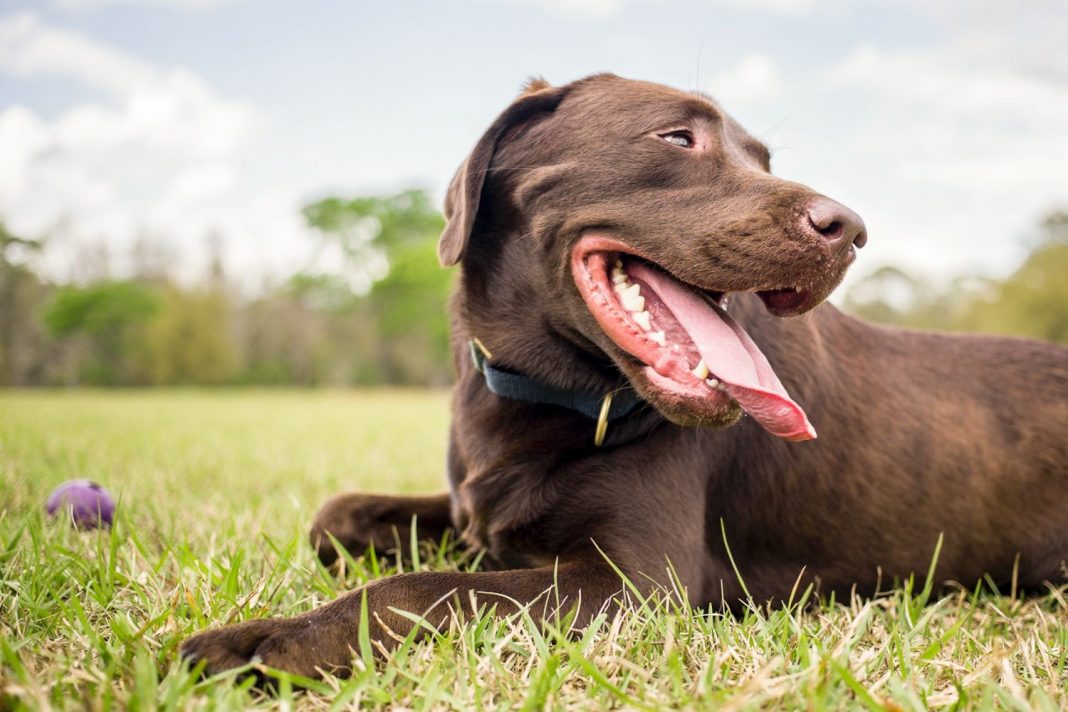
194 123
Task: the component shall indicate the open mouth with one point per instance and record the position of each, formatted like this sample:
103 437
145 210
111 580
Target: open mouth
694 353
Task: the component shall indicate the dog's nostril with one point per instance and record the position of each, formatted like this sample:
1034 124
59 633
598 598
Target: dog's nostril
831 232
837 224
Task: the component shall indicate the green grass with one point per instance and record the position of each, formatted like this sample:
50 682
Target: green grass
217 490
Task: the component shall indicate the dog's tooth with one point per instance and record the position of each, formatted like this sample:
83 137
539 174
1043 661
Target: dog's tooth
619 287
713 382
631 302
618 276
701 369
642 319
631 299
659 337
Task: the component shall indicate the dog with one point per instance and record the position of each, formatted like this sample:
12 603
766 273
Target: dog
637 393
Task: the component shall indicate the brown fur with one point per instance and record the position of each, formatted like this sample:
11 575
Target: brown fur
920 434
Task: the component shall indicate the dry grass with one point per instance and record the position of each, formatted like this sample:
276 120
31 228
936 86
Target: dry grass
216 493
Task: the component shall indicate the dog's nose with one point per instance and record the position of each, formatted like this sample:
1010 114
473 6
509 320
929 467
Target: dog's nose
837 224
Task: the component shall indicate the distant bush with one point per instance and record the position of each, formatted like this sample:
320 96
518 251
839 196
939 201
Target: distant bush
110 318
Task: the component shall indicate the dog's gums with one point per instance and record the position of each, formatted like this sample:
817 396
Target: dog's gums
692 349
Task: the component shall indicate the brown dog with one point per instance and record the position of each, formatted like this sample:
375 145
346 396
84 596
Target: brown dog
600 227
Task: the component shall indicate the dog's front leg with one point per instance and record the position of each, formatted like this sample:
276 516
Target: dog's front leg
358 520
325 639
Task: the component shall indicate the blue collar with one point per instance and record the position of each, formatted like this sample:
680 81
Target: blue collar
603 408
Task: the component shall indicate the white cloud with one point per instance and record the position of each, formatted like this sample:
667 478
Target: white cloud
593 8
160 154
183 4
29 48
607 8
754 80
783 7
961 155
1024 37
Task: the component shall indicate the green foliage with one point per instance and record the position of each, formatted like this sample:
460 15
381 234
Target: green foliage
100 309
190 340
388 222
406 307
410 306
111 317
23 339
377 318
328 292
1032 301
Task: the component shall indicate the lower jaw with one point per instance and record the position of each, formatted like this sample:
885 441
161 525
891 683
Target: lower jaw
684 405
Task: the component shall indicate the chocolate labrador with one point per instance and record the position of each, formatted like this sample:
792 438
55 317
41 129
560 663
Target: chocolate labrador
636 389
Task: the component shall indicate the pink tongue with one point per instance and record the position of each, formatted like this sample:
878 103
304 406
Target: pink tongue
732 357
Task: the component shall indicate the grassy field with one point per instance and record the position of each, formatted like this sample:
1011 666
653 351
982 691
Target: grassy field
217 490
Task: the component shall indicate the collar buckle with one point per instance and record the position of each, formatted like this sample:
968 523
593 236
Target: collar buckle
602 420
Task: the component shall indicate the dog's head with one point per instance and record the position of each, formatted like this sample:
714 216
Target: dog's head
634 210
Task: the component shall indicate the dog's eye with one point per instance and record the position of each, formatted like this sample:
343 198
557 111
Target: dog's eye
683 139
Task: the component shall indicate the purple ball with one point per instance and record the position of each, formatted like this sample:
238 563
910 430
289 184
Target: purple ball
84 502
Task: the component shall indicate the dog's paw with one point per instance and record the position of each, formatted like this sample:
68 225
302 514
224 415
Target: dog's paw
356 521
292 645
270 642
232 646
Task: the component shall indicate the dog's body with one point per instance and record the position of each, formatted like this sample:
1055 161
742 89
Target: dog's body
920 435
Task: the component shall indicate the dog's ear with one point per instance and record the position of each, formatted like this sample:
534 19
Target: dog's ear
465 191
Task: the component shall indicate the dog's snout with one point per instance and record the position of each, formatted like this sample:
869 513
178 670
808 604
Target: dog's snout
837 224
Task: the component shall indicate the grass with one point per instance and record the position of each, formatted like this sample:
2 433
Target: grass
217 490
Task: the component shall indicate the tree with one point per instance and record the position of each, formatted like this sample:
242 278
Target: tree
24 348
1033 300
392 274
110 317
189 339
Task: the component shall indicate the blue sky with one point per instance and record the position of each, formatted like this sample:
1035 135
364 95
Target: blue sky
945 124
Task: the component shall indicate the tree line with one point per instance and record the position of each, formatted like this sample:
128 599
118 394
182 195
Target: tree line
1032 301
378 314
376 317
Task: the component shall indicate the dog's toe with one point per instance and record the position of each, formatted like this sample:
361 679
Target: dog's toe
292 653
